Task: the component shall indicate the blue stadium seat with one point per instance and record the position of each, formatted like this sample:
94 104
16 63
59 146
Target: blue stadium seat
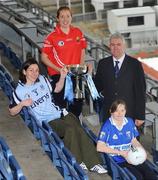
56 155
30 121
9 167
6 86
16 169
7 75
58 141
115 171
70 158
89 132
15 61
2 45
152 166
51 138
5 149
26 117
5 169
63 166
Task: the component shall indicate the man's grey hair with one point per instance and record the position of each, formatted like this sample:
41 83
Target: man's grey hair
117 35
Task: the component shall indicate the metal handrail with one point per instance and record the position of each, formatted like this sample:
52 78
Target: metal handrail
40 12
23 19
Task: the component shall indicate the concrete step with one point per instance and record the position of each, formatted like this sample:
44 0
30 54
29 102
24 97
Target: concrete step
12 4
20 10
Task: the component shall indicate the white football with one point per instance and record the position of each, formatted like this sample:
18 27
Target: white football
136 155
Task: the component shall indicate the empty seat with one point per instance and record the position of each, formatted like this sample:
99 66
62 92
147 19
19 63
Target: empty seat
9 167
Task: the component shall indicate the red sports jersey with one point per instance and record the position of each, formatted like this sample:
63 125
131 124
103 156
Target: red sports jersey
64 49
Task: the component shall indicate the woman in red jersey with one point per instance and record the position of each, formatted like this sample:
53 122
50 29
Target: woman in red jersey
65 45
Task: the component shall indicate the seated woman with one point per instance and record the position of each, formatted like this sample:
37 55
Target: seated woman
116 137
34 91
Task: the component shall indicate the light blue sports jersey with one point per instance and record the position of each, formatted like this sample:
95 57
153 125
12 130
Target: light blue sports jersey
118 139
40 92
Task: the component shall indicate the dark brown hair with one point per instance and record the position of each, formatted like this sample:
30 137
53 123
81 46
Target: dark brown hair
63 8
25 66
115 104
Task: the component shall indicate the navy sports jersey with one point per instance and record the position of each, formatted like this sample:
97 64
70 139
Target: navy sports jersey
118 138
40 92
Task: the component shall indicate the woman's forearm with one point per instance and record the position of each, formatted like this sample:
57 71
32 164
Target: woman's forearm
16 109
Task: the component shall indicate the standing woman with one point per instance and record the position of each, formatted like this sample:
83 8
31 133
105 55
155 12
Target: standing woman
65 45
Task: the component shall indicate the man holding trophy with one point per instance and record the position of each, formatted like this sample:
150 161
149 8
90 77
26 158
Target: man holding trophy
65 45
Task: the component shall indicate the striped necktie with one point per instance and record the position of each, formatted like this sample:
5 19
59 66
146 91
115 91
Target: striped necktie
116 68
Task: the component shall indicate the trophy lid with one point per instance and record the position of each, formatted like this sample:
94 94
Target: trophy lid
78 69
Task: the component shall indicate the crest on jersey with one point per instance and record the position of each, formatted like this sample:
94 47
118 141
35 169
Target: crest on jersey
115 136
128 134
35 91
78 38
27 96
42 87
61 43
102 134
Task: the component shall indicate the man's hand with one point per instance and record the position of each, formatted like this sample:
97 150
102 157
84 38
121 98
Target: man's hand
90 68
138 122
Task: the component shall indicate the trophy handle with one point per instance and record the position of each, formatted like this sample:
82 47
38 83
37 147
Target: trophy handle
78 92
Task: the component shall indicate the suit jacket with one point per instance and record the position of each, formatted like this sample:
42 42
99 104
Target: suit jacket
129 86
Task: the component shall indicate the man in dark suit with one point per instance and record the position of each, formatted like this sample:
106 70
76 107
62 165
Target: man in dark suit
122 81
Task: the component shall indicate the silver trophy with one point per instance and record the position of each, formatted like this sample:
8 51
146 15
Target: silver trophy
78 71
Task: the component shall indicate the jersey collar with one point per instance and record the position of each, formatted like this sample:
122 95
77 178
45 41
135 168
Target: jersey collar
113 122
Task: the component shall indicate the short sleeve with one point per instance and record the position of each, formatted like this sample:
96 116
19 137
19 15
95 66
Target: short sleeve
103 134
47 45
134 128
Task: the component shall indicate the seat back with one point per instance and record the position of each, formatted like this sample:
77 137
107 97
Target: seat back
6 86
9 167
55 140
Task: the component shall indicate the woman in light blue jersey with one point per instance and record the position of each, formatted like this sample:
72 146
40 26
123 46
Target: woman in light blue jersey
117 136
34 92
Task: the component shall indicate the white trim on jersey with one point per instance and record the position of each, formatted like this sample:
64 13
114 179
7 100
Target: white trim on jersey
15 97
57 58
48 83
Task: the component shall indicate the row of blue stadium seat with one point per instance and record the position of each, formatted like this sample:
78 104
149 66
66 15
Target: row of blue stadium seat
61 156
7 51
51 143
9 167
51 140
